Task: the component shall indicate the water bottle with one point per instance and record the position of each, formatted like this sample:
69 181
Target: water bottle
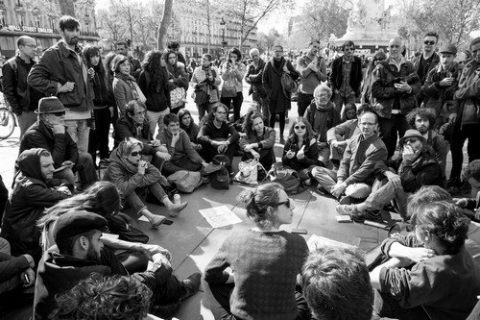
176 198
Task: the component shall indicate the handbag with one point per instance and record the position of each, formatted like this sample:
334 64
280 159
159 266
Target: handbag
229 89
250 172
289 85
121 224
185 181
177 97
288 178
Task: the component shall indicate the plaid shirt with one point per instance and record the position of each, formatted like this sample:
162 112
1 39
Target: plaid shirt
346 90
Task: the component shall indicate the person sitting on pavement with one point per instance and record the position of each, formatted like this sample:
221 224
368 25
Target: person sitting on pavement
77 234
322 116
16 274
362 155
423 120
336 281
135 178
190 127
258 141
49 133
103 198
472 203
418 167
265 260
31 194
339 136
101 297
218 136
439 88
300 152
182 155
441 281
134 124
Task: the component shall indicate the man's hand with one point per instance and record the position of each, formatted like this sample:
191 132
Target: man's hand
255 155
250 147
446 82
290 154
403 87
64 189
339 189
159 260
222 147
153 249
91 72
58 129
175 138
66 87
452 117
142 166
28 278
30 260
408 153
155 143
285 69
68 163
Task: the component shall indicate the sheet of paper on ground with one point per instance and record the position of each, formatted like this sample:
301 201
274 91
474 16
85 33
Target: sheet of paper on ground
219 217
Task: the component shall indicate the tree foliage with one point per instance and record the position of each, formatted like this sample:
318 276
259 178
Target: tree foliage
266 41
325 18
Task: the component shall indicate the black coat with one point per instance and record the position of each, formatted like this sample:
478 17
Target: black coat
356 74
271 78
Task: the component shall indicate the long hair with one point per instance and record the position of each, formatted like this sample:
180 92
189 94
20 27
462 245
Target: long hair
152 65
248 123
91 51
309 134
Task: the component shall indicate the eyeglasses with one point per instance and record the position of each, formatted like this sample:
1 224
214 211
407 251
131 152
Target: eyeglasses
322 95
287 203
410 140
299 127
380 60
59 114
429 42
348 49
367 124
136 153
31 45
394 46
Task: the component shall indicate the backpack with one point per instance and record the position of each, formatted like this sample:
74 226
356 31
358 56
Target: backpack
220 179
288 178
185 181
289 85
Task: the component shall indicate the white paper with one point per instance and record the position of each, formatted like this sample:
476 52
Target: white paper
143 218
219 217
316 242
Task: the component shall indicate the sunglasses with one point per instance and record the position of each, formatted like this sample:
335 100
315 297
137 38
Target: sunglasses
299 127
394 46
287 203
429 42
410 140
59 114
136 153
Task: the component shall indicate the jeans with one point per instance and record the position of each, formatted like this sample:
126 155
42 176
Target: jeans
156 117
132 260
262 106
78 131
326 178
136 199
86 171
25 120
281 121
98 139
204 108
470 132
170 167
386 193
237 104
385 306
208 152
390 128
304 100
222 293
340 100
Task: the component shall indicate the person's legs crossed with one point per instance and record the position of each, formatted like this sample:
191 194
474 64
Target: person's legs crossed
326 178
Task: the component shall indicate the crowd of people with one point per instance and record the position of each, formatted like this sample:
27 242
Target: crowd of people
387 153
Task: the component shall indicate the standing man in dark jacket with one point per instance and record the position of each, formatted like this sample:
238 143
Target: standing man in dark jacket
22 98
49 133
418 167
31 194
62 72
346 76
254 78
395 90
429 58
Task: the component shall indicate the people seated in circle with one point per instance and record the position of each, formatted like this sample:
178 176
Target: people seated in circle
218 136
265 260
182 155
258 141
428 274
135 178
300 152
190 127
134 124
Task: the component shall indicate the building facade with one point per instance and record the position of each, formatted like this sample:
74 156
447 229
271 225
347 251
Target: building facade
38 19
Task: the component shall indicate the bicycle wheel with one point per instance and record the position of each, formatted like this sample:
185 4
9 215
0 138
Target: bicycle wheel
7 123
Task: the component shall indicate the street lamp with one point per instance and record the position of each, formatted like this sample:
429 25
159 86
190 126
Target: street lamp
223 26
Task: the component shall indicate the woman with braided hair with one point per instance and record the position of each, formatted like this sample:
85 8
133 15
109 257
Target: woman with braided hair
265 262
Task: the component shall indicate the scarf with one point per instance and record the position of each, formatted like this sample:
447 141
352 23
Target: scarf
120 155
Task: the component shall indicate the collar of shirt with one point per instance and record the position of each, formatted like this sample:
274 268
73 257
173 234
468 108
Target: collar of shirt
395 63
347 59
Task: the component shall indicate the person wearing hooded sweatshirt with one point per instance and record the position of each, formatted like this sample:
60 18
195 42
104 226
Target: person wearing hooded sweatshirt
32 193
183 155
135 178
322 115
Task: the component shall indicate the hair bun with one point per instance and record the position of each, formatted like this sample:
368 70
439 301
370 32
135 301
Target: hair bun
246 196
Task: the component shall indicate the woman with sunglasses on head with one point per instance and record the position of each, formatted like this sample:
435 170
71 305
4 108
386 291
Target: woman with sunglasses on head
301 149
135 178
265 262
429 274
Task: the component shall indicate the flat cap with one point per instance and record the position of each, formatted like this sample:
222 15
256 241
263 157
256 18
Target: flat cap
76 222
448 48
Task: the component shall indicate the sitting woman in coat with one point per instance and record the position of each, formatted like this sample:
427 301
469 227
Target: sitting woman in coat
182 155
135 178
190 127
428 274
258 141
301 149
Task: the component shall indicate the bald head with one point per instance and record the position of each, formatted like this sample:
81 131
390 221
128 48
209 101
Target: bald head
395 47
255 55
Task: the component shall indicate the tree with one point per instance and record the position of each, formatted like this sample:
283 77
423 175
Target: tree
266 41
165 22
67 7
325 18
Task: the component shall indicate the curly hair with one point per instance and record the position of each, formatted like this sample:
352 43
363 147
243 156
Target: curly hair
167 53
259 202
309 135
422 113
100 298
152 64
425 195
445 220
247 125
211 115
108 62
473 170
336 279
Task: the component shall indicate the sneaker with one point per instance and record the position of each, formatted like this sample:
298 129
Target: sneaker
375 216
347 209
345 200
191 285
